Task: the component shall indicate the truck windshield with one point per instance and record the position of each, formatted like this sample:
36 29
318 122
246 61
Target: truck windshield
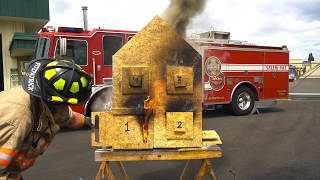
76 50
42 48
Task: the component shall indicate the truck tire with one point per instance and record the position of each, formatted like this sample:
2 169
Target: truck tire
242 101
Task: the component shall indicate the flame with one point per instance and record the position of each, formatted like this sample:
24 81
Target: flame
159 90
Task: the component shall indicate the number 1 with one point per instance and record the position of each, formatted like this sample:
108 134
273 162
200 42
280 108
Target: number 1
127 125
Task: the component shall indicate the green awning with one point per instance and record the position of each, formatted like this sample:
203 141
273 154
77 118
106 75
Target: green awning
23 44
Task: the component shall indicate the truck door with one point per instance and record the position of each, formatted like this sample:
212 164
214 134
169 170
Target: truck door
105 45
77 50
276 75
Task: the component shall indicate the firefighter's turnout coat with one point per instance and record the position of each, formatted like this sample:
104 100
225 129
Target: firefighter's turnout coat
26 130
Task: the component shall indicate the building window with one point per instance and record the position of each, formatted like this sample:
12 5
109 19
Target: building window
14 77
111 44
76 51
42 48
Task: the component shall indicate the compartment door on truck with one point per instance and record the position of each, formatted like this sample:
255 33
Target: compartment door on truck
214 76
276 75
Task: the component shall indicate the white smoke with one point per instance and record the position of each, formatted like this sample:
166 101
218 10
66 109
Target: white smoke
101 101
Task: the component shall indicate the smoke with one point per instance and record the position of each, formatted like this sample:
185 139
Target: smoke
101 101
180 12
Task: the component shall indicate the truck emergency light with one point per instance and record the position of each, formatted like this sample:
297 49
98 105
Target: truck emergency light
48 29
70 29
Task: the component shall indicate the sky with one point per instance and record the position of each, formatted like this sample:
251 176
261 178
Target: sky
295 23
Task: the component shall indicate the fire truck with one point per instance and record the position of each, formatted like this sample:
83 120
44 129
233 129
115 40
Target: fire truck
235 74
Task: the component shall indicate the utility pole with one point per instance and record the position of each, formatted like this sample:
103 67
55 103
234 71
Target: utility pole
85 17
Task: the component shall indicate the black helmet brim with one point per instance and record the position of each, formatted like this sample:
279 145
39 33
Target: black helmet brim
30 81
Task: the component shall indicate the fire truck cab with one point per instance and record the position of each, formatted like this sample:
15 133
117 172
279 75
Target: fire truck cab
238 74
92 50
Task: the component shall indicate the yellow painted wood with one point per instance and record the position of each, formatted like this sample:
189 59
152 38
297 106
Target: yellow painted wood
122 155
210 137
105 172
135 80
179 125
202 170
125 132
205 168
103 139
211 142
179 80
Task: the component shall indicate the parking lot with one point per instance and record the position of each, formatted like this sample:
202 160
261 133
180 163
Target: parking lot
279 143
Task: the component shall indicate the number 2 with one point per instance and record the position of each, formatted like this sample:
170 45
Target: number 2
179 124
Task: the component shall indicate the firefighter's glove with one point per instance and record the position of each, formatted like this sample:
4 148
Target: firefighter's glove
87 122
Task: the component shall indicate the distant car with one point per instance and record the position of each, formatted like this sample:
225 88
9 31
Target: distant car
293 75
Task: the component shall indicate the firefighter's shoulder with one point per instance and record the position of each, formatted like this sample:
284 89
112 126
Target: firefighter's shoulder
15 95
15 106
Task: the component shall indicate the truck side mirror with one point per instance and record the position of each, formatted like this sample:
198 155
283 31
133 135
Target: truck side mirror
63 46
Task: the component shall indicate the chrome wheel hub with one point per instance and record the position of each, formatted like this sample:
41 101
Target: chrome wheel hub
244 101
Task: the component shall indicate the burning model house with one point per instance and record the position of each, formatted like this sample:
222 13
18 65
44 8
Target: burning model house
157 91
157 88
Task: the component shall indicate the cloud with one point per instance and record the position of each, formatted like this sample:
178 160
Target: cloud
60 6
307 10
295 23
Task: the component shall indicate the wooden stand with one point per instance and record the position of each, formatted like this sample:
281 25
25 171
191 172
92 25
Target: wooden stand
204 154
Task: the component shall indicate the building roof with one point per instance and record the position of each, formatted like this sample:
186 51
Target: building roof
34 14
35 9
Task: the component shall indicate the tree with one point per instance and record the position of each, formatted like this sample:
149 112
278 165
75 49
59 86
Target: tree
310 58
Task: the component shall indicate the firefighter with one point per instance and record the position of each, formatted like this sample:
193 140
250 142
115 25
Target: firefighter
31 115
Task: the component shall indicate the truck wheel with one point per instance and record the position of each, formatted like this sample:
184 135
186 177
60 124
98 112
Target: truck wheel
242 101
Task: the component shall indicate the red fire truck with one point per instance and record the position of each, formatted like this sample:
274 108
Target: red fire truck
235 74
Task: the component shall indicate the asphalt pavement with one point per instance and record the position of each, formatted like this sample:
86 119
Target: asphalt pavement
279 143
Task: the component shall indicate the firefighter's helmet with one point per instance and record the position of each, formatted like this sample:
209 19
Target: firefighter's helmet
58 81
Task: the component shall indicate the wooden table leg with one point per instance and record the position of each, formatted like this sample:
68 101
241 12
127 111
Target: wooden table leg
100 174
123 170
185 169
105 171
206 167
109 172
210 169
202 170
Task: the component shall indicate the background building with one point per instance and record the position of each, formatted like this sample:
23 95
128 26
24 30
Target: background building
20 20
303 66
